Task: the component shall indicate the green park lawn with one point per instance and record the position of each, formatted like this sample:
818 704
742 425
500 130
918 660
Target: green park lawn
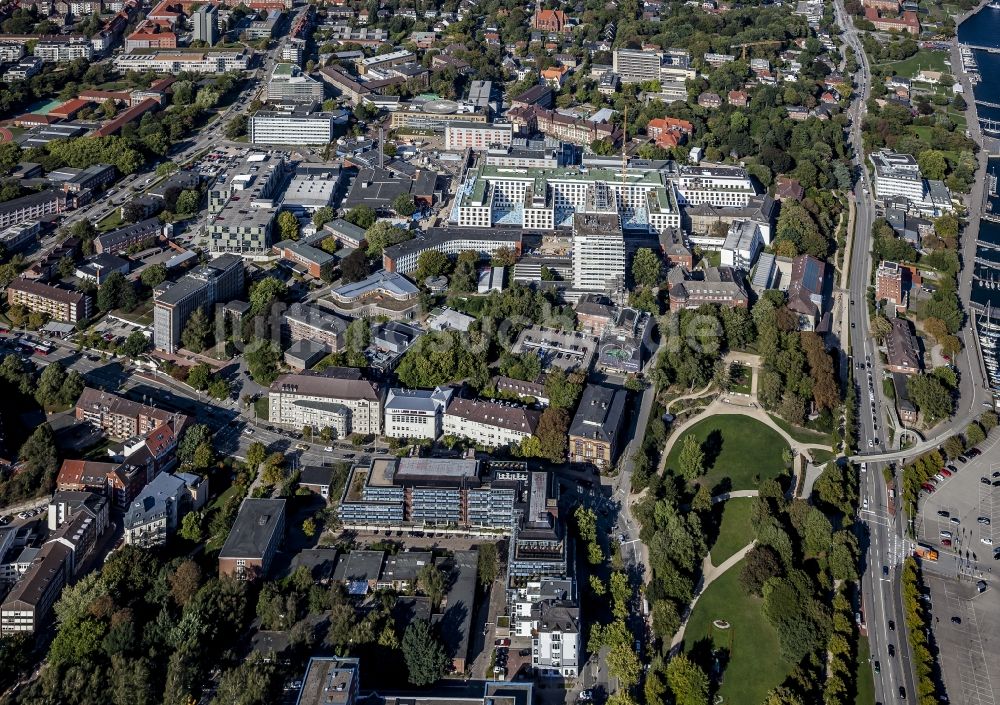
802 435
754 665
923 60
748 449
735 531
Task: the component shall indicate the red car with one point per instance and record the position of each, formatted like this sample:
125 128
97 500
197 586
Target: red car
928 487
946 472
945 542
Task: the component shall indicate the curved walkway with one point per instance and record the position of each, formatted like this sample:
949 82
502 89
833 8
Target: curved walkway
709 573
693 395
727 405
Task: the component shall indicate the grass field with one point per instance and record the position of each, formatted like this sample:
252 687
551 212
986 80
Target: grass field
864 678
754 665
922 60
735 532
111 221
738 448
802 435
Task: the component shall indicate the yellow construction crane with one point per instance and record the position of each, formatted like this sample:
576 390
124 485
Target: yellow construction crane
754 44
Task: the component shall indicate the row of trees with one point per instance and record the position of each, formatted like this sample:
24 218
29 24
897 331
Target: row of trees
917 628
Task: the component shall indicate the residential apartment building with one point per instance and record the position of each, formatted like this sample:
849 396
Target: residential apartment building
597 425
28 604
305 322
743 244
889 284
598 252
154 516
404 257
635 66
289 84
219 281
344 405
58 304
537 548
151 35
533 118
416 413
62 52
556 643
254 539
492 424
242 205
34 206
463 493
302 125
897 175
477 136
205 21
174 61
135 235
903 349
330 680
123 418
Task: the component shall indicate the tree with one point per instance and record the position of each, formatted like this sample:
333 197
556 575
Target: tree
503 257
423 653
50 383
382 235
197 333
354 267
403 205
761 564
687 681
988 420
974 434
116 292
431 264
818 533
563 389
953 446
881 328
646 267
193 437
66 266
200 376
256 453
323 216
154 275
191 527
431 582
624 664
249 683
185 581
39 453
264 292
237 127
930 396
359 335
692 458
489 564
188 202
288 226
552 430
362 216
933 164
309 527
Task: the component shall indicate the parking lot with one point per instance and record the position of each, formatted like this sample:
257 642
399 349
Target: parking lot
956 507
966 619
968 650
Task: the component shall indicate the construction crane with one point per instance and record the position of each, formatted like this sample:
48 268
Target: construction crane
754 44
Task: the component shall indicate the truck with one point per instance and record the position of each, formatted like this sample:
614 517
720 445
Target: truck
891 501
925 552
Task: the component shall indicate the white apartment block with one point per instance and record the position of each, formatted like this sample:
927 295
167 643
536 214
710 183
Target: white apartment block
176 60
555 649
598 253
544 199
490 424
477 136
744 243
344 405
897 175
634 66
416 413
60 52
295 128
10 52
717 184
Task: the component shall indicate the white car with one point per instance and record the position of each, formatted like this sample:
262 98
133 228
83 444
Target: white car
870 444
864 503
328 449
987 540
247 431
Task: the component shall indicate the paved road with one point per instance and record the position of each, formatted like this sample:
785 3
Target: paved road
880 577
